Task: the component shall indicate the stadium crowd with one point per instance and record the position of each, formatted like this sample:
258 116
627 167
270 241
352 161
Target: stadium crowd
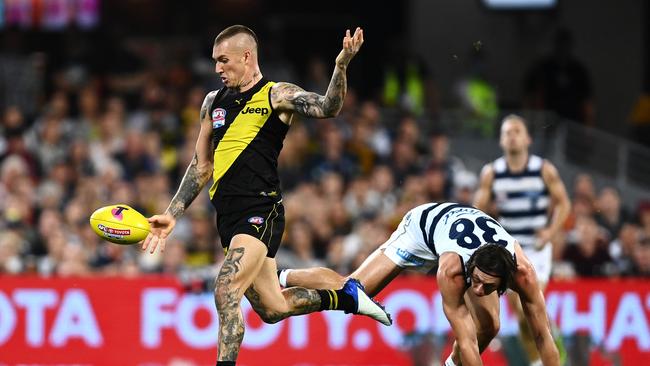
347 181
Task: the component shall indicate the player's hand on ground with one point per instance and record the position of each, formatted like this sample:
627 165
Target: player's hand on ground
351 45
161 227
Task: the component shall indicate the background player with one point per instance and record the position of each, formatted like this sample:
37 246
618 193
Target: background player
527 190
477 261
242 129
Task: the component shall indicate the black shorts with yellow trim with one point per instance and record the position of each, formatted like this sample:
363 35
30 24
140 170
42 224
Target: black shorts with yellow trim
260 218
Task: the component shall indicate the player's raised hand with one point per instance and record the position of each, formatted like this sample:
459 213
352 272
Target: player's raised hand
351 45
161 227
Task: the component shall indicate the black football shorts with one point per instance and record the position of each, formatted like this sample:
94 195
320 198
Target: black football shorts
260 218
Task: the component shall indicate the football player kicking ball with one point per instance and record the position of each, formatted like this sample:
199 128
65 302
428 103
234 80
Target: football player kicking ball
477 262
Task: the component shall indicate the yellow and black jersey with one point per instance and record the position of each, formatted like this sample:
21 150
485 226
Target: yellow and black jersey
247 136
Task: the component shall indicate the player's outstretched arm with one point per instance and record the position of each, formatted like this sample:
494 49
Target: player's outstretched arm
287 97
483 194
534 306
196 177
452 289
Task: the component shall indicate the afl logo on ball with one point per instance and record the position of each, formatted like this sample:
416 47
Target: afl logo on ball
218 117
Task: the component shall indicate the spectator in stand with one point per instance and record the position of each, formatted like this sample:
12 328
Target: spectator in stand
298 250
404 161
622 249
440 157
333 156
379 141
643 213
588 255
610 213
641 257
465 183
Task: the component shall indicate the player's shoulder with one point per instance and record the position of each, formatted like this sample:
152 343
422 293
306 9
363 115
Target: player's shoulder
283 88
548 168
211 95
488 171
450 264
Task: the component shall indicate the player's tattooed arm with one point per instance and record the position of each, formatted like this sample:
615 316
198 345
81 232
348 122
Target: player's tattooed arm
290 97
199 171
287 97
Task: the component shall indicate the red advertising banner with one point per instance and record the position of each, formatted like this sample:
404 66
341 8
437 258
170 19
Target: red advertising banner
150 321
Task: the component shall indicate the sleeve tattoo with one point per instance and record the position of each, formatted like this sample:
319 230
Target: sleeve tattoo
193 182
311 104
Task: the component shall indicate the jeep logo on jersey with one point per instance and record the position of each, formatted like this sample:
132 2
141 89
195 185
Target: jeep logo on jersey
218 117
257 110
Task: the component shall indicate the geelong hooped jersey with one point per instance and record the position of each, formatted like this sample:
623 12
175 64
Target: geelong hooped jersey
522 199
247 137
461 229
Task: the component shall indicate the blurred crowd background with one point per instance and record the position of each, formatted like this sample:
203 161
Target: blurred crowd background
96 112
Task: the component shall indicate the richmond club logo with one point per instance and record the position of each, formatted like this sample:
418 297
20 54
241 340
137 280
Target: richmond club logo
218 117
117 212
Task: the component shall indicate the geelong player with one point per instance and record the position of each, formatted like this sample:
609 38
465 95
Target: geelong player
532 204
477 261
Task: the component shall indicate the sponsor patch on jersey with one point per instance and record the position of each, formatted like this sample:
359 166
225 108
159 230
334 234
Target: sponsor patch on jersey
412 258
218 117
256 220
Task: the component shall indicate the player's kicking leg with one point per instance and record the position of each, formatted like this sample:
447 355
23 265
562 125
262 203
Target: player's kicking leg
246 267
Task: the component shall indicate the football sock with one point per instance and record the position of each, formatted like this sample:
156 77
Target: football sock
282 276
336 300
449 362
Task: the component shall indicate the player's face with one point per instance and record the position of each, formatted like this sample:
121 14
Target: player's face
484 284
514 136
230 63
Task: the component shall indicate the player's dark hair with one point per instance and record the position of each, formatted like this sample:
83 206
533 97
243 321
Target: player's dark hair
234 30
495 260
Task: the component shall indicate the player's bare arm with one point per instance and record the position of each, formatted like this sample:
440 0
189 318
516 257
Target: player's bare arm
483 194
196 177
534 306
451 283
288 98
559 199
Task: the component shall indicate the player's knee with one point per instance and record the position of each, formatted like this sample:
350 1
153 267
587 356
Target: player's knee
270 317
271 314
